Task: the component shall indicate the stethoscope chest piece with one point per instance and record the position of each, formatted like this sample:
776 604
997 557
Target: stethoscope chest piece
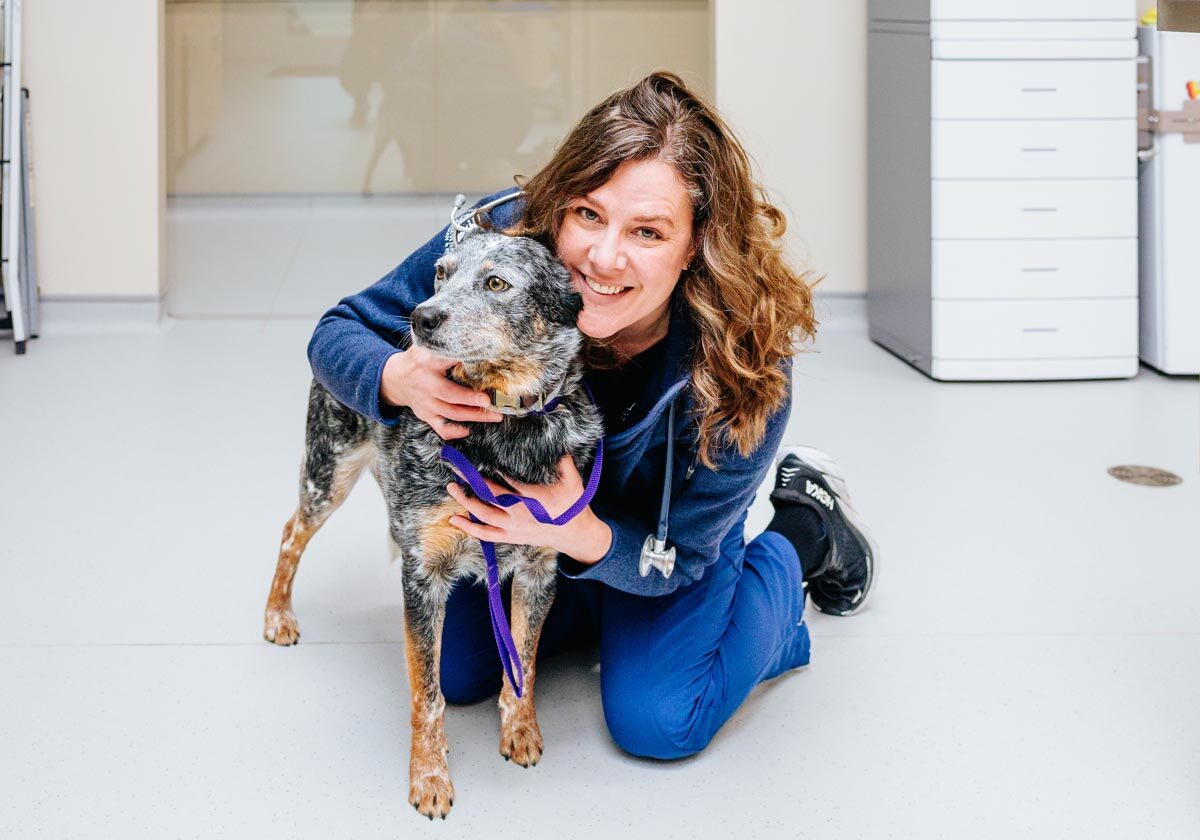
656 554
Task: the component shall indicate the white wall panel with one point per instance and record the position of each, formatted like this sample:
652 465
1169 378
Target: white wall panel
791 78
93 71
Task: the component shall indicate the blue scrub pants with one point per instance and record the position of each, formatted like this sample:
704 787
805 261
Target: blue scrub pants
673 669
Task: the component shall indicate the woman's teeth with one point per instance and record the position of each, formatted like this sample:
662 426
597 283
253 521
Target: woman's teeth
602 290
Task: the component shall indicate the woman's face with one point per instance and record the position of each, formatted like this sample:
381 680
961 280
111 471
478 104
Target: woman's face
626 244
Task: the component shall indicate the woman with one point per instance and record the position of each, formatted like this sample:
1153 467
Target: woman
692 317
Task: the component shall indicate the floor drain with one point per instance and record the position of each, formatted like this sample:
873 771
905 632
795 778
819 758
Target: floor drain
1145 476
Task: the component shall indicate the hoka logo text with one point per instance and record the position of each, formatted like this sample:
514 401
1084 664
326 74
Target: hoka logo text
819 493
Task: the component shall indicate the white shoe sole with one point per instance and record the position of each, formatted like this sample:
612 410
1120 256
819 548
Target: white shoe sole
829 468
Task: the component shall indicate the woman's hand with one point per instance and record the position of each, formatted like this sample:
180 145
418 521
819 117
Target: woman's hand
585 538
416 378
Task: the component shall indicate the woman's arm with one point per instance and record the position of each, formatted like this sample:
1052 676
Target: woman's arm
703 516
355 340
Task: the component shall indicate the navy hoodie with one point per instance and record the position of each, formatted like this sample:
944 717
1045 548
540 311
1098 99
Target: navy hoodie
354 339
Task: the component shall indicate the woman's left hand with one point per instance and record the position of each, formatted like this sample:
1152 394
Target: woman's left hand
585 538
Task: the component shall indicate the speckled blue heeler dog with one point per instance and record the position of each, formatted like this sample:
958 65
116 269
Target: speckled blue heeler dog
505 308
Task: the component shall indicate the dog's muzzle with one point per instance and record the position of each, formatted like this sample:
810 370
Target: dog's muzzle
426 320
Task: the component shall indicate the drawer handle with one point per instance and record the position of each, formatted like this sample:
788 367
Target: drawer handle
1048 270
1040 329
1039 209
1039 90
1040 149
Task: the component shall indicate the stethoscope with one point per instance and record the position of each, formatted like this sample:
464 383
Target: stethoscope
462 224
656 554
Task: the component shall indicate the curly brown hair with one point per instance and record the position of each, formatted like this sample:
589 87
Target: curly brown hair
750 308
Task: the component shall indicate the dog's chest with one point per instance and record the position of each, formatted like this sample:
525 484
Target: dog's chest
411 461
415 479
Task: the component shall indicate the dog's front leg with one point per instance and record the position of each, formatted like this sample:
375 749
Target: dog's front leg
532 594
429 788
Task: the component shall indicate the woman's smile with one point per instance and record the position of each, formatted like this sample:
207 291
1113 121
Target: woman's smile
604 290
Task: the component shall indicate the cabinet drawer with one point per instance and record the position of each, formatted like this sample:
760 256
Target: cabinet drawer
1035 149
1032 9
1035 209
1035 329
1053 268
1033 90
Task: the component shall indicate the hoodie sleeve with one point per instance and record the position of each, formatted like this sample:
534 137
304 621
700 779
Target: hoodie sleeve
354 339
704 511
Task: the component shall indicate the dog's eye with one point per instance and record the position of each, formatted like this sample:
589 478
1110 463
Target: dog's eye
496 284
440 272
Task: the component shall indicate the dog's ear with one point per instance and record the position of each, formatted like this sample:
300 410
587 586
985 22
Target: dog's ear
565 307
572 306
556 300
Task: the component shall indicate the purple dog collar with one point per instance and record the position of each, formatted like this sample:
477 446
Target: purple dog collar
471 477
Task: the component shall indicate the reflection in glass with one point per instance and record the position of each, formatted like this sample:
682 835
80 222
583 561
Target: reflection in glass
401 96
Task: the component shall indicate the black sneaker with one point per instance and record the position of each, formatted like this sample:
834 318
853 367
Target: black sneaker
839 586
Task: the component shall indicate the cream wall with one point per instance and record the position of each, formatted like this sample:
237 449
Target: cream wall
789 74
93 72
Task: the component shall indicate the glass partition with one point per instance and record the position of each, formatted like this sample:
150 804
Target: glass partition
405 97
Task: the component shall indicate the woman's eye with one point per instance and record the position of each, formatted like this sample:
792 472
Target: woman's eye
647 233
588 214
496 284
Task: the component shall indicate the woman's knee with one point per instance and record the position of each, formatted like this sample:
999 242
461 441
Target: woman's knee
462 686
469 671
652 723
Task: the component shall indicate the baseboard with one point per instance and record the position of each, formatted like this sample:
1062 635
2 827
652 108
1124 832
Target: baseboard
840 310
93 314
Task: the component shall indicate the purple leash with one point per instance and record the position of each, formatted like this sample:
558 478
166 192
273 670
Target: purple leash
471 477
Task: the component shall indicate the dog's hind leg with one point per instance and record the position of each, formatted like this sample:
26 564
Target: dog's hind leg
430 790
532 594
338 445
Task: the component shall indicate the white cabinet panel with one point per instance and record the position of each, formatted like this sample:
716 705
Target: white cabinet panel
1032 9
1032 30
1034 329
980 90
1035 209
1034 149
1027 50
1054 268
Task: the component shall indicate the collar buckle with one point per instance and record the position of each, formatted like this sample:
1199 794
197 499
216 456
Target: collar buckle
521 405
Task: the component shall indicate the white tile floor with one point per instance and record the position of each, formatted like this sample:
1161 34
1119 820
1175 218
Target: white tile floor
1027 667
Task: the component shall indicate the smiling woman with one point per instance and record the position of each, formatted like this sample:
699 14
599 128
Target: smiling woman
653 190
691 315
626 244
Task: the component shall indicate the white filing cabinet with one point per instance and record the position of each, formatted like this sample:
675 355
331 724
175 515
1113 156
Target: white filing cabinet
1003 192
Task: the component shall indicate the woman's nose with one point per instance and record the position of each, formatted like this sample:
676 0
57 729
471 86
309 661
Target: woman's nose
607 256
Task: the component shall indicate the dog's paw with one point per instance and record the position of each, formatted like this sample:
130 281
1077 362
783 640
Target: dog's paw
521 741
431 793
281 627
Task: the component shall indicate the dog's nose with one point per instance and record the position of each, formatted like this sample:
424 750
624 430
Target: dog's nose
428 319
